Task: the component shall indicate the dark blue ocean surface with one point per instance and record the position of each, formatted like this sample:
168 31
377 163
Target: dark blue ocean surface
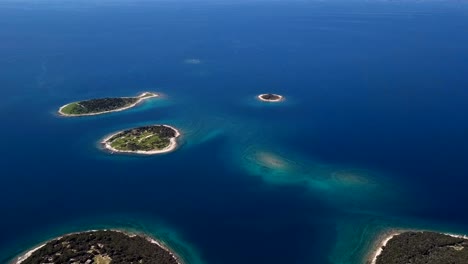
373 133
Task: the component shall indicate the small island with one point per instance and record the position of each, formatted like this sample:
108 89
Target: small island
100 247
418 247
270 97
103 105
155 139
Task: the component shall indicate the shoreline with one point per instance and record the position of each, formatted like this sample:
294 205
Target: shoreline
159 243
171 147
382 242
140 99
457 236
28 254
150 239
280 99
387 236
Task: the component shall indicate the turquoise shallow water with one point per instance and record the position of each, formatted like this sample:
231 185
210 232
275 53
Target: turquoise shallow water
372 135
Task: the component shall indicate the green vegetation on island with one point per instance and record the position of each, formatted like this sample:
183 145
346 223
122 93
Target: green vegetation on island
144 139
101 247
102 105
424 247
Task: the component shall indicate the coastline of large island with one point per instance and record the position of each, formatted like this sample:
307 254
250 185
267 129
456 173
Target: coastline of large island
420 247
103 105
148 140
270 97
100 247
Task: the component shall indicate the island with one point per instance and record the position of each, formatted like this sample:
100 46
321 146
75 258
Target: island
100 247
103 105
270 97
418 247
154 139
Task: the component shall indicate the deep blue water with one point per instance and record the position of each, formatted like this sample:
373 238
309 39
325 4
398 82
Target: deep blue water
372 135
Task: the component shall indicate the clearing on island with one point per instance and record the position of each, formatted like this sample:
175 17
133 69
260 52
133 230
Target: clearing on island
153 139
102 247
103 105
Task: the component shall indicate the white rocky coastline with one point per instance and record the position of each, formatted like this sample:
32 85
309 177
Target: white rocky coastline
279 99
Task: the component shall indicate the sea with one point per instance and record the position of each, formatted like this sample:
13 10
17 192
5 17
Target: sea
372 135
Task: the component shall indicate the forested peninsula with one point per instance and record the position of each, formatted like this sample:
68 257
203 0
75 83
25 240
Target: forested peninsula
103 105
154 139
100 247
423 248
